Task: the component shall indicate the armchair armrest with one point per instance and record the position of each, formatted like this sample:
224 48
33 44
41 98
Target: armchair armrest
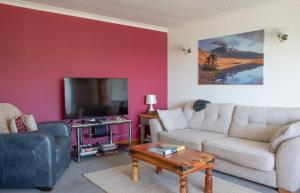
27 160
155 127
288 164
57 128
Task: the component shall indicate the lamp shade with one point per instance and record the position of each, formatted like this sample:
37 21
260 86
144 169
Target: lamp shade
151 99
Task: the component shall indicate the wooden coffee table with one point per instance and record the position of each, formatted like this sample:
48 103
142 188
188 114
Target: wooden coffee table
183 163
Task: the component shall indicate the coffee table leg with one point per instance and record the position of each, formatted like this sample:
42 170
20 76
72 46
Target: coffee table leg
135 170
208 180
158 170
183 184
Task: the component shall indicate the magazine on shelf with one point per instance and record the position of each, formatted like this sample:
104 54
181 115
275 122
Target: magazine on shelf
89 149
88 153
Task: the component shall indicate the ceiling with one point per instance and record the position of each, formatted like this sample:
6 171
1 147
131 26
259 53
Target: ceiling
164 13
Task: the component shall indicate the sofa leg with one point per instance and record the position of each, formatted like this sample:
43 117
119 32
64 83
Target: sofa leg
280 190
45 189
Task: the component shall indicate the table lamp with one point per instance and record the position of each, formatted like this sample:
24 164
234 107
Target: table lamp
151 100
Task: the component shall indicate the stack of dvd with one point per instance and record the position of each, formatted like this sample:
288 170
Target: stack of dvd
107 147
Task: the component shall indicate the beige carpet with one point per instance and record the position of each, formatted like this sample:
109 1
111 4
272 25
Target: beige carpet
118 180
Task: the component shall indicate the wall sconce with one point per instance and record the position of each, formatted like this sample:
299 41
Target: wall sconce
187 50
282 37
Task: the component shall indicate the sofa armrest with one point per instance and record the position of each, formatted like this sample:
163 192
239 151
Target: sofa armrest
155 127
57 128
27 160
288 164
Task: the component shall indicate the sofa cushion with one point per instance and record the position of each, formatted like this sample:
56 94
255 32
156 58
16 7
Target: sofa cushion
215 118
188 110
285 133
260 123
173 119
243 152
191 138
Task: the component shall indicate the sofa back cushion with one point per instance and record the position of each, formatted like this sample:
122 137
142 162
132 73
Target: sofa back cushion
215 118
260 123
188 110
173 119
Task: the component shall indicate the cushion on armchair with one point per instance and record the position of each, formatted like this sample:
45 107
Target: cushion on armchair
29 121
7 111
17 125
22 123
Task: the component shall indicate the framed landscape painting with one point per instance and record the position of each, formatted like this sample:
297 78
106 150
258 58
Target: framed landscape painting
234 60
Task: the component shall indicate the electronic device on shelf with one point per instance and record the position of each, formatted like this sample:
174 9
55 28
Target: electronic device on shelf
91 121
87 98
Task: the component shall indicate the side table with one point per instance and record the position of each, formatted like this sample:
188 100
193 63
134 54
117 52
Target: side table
144 121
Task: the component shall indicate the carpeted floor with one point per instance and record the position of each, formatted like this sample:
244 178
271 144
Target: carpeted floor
72 181
150 182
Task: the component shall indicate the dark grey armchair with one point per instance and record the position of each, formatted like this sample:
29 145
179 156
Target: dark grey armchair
32 159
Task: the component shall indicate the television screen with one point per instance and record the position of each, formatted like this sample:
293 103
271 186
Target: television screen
95 97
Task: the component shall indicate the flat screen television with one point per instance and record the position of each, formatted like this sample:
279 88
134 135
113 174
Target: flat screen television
95 97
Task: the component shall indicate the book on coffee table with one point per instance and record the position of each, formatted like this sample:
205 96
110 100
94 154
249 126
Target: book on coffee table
166 149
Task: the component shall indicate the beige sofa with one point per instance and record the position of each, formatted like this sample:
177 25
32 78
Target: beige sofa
239 137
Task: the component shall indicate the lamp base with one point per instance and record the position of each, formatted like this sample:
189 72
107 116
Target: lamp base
151 110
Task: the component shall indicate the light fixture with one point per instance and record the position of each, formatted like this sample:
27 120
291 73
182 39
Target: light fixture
187 50
282 37
151 100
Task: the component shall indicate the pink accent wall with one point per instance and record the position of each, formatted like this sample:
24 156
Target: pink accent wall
38 49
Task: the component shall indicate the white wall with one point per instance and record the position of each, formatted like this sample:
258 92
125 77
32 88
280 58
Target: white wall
282 63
